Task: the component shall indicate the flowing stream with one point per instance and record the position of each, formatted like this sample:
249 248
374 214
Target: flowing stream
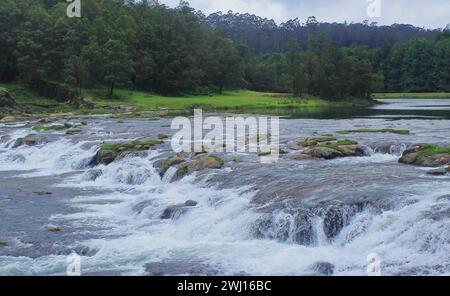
291 218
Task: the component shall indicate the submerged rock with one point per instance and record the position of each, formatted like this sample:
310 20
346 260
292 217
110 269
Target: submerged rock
300 156
5 139
174 212
3 243
438 172
54 228
323 268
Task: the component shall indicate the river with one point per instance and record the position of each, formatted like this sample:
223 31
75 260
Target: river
294 217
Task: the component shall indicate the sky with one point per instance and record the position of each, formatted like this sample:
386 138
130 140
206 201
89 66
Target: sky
421 13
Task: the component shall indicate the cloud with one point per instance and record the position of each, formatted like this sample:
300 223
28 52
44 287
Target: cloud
432 14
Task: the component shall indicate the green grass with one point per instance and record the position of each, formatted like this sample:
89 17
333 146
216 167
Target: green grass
242 99
37 103
435 95
388 130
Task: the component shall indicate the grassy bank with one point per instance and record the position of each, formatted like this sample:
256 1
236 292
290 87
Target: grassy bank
231 101
435 95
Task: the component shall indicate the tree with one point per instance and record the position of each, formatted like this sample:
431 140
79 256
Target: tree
76 73
225 66
118 65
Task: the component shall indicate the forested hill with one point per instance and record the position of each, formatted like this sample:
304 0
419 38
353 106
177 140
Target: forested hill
262 35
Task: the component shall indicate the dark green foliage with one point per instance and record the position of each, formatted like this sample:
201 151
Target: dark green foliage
131 44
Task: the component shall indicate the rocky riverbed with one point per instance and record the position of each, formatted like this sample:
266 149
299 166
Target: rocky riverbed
116 193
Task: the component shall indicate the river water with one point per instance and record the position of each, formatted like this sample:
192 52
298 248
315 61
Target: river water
289 218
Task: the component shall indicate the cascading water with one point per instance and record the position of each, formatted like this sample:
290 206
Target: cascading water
350 207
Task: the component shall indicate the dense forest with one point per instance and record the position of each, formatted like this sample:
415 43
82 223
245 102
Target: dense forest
134 44
262 35
147 46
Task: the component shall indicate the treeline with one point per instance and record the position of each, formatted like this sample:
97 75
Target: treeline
263 35
325 70
419 65
116 43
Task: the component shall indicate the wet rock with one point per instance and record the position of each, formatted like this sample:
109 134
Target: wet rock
351 150
300 156
110 152
296 227
323 152
426 155
54 228
42 193
30 140
3 243
104 157
202 163
174 212
438 172
323 268
169 162
5 139
93 175
162 136
191 203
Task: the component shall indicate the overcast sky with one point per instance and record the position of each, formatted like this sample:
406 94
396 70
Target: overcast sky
422 13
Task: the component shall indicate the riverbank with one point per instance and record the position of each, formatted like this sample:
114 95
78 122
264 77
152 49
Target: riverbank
433 95
126 101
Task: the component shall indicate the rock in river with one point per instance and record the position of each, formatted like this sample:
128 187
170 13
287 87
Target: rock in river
426 155
30 140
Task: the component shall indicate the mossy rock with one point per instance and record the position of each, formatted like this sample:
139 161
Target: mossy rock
30 140
426 155
109 152
43 128
205 162
170 162
316 140
346 142
387 130
162 136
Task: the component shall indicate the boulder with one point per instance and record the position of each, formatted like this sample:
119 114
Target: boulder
323 152
30 140
202 163
110 152
169 162
426 155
